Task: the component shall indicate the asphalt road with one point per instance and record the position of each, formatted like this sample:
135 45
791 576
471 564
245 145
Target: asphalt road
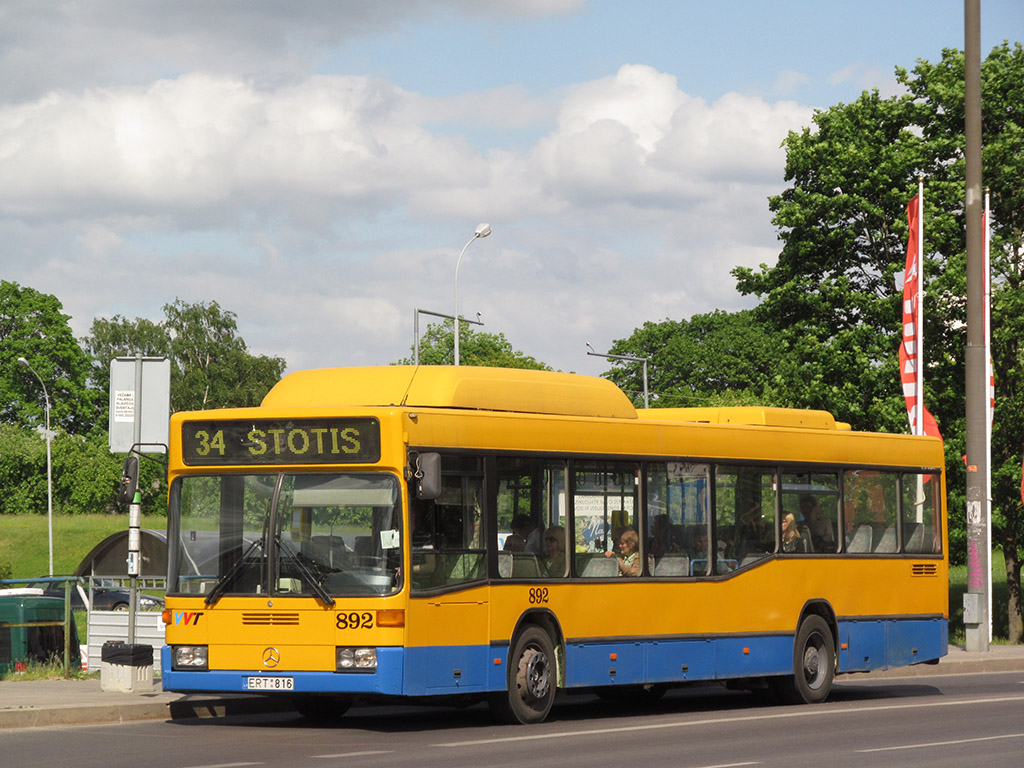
948 720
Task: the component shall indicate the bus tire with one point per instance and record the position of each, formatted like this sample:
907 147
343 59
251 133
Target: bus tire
532 680
814 664
320 708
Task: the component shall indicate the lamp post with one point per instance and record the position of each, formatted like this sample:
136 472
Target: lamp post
643 360
49 471
482 230
416 328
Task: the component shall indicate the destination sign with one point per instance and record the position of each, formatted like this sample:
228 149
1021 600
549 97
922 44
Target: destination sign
281 441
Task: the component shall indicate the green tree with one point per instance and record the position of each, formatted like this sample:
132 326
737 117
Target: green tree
437 347
832 297
120 337
211 366
33 326
721 358
940 87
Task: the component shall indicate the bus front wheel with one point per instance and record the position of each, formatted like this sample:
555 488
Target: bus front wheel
814 664
532 680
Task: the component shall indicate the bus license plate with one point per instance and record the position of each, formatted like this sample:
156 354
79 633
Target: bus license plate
270 683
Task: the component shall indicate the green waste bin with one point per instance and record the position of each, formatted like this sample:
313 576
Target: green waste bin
32 630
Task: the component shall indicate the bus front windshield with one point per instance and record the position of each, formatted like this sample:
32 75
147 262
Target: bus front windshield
318 535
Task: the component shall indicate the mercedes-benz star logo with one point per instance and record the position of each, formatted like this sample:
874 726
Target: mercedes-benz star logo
271 657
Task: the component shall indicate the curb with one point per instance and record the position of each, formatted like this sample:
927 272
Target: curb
31 717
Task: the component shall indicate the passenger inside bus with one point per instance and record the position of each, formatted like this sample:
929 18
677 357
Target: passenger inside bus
531 533
554 543
792 541
822 532
664 537
514 543
629 553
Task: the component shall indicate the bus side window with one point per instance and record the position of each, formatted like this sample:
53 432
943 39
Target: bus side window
606 505
531 510
870 501
677 514
447 537
921 502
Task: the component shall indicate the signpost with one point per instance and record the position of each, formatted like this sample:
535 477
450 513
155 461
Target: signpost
140 397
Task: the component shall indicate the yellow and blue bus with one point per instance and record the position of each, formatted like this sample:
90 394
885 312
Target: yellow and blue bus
391 533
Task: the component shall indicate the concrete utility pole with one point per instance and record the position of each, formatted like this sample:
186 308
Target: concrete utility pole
978 557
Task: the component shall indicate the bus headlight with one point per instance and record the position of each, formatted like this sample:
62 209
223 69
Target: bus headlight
192 657
356 659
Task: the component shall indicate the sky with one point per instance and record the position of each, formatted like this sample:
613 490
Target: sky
317 166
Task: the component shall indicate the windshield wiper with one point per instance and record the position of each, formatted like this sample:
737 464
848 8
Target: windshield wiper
233 571
314 583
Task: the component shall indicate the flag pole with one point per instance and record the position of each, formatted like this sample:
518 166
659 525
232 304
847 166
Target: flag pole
990 402
919 312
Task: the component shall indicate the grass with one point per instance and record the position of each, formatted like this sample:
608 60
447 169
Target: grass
24 540
957 589
34 670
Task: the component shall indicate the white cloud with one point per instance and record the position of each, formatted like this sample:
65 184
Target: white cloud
322 210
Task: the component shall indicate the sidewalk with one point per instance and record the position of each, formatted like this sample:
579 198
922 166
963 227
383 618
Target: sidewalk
40 703
82 702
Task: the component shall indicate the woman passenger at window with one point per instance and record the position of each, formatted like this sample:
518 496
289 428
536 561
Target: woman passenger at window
629 553
792 541
554 543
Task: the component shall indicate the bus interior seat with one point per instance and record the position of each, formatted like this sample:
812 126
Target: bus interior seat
860 539
326 549
598 566
518 565
914 533
363 545
805 534
887 542
672 565
466 566
525 565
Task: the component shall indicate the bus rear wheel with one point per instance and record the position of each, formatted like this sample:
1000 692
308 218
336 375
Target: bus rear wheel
532 680
814 664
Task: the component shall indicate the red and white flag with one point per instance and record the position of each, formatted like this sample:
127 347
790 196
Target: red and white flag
910 352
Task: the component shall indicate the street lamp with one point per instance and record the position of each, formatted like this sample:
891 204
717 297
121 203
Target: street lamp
481 231
49 470
416 328
625 357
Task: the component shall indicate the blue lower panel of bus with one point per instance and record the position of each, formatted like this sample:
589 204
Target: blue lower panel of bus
864 644
387 680
662 661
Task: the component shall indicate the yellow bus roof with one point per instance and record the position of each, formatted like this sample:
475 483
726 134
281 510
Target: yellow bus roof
749 415
445 386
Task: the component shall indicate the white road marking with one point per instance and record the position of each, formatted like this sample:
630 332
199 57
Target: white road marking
808 712
354 754
945 743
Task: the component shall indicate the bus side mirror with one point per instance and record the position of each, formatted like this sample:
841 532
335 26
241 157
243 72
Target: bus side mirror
129 480
428 476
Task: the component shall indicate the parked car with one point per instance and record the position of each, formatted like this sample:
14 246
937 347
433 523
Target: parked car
104 597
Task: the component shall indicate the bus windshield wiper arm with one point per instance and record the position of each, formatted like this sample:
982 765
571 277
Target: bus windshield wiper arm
233 571
314 583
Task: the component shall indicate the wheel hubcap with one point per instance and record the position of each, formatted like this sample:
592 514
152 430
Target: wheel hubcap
812 665
534 677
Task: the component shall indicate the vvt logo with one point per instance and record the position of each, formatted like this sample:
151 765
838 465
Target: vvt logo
187 617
